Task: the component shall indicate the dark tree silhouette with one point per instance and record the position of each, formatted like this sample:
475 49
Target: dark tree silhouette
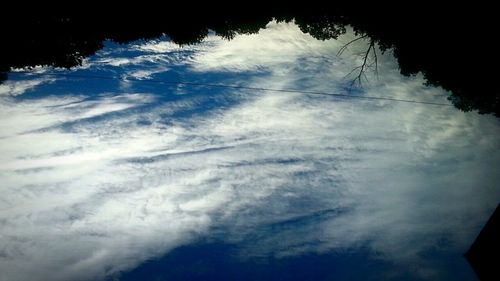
452 52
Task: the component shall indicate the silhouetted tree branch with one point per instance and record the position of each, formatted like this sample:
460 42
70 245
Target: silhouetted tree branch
341 50
366 64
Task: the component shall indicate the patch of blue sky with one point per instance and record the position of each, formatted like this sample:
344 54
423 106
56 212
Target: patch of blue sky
103 175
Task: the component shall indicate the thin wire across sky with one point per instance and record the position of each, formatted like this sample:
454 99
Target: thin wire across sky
227 86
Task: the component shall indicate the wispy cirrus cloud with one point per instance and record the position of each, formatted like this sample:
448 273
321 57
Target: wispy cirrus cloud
95 184
15 88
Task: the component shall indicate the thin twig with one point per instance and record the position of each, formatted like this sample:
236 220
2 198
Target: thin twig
339 53
362 68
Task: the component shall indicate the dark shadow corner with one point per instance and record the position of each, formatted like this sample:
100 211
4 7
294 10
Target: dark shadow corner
484 254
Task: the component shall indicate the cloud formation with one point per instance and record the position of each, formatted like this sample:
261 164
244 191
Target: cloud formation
96 182
14 88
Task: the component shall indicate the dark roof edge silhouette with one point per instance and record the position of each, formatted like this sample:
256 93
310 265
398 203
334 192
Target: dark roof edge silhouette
484 254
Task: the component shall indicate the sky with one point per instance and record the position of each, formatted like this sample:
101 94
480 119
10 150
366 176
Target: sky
111 166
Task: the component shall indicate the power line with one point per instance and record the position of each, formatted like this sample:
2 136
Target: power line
161 81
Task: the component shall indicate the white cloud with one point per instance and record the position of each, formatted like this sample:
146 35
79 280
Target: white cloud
92 186
277 44
159 46
15 88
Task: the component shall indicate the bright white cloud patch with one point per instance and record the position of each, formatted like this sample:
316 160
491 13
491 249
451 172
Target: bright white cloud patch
14 88
96 183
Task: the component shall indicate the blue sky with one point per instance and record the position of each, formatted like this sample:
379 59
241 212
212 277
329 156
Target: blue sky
99 176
